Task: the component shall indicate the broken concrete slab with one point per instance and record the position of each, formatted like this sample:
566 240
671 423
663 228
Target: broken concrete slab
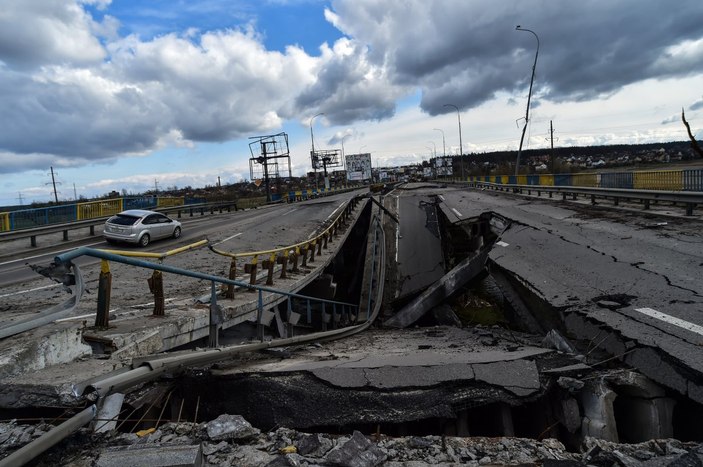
233 427
153 456
440 290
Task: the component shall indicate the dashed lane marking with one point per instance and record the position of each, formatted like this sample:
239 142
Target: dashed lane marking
671 320
29 290
45 254
228 238
502 243
441 197
457 212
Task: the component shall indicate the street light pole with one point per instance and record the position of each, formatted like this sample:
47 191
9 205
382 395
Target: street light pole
444 144
312 153
529 96
344 162
435 148
461 145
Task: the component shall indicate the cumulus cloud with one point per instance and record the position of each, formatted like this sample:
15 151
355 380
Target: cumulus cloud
39 32
73 91
697 105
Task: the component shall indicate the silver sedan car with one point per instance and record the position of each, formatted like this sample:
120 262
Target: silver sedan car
140 227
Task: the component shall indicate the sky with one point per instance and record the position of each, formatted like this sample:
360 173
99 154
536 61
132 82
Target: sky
130 95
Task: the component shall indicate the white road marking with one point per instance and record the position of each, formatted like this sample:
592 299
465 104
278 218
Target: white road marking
441 197
228 238
44 254
671 320
502 243
457 212
288 212
29 290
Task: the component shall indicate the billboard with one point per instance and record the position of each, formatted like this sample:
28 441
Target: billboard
443 166
358 166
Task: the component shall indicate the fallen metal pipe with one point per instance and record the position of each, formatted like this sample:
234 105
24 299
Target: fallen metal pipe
52 314
29 451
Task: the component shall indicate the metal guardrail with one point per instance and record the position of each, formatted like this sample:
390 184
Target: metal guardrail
283 255
33 233
689 199
148 369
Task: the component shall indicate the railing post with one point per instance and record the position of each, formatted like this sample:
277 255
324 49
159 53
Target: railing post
251 269
304 255
312 251
288 318
269 264
102 316
646 204
229 288
283 261
319 247
296 254
215 318
260 316
323 317
156 286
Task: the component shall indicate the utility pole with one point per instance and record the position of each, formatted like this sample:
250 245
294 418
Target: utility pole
75 195
156 186
551 156
53 182
20 198
219 183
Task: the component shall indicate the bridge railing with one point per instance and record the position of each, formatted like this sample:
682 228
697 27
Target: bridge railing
303 252
667 180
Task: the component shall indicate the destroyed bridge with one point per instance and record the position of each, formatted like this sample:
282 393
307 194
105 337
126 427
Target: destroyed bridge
427 309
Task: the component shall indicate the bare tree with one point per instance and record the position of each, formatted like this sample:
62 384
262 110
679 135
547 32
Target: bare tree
694 143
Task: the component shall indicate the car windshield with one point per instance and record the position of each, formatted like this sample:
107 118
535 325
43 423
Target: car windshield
121 219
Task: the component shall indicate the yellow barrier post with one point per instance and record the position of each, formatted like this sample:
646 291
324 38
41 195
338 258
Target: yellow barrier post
251 269
283 261
269 264
102 315
296 255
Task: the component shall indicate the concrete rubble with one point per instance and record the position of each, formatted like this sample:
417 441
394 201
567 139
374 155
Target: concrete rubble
192 444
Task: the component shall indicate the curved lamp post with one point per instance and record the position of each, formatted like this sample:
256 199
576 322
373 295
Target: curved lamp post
529 96
461 145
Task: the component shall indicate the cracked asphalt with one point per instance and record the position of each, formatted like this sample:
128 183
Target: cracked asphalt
576 261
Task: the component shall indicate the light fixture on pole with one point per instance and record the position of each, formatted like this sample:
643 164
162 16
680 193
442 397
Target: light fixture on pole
461 145
529 96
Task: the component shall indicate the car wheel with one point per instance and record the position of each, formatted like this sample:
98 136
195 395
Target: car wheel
144 241
176 232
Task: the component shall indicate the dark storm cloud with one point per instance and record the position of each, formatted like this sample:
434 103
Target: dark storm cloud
467 51
348 88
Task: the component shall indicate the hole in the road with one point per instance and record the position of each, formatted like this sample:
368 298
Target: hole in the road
613 301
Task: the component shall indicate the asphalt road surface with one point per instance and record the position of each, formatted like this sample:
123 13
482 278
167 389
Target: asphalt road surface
257 229
628 280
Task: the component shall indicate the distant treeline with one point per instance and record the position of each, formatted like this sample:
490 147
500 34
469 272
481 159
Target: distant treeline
608 152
